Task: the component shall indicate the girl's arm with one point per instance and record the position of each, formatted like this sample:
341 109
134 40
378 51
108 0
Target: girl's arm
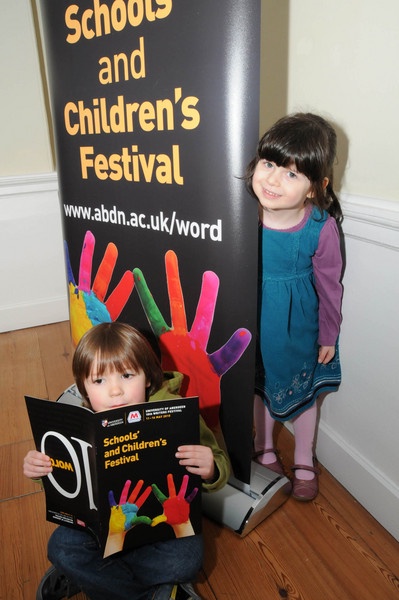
327 267
326 353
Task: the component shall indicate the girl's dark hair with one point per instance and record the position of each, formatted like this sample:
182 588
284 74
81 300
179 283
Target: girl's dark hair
308 141
117 346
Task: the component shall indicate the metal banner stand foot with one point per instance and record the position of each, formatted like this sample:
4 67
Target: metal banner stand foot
242 507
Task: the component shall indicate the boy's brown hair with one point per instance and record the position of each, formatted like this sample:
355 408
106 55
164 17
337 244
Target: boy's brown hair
117 346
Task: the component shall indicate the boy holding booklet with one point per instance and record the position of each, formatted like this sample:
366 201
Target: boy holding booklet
114 366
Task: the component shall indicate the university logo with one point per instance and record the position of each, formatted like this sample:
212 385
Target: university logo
134 416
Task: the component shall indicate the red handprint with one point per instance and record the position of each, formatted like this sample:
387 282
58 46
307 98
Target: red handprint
186 351
176 507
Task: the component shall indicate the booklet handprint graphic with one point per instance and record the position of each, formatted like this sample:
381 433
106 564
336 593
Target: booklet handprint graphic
124 517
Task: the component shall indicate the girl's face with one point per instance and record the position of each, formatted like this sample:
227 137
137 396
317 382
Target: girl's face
113 389
280 188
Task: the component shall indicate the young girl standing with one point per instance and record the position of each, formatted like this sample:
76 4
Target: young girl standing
299 287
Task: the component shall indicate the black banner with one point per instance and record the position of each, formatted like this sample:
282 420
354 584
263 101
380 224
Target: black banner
155 108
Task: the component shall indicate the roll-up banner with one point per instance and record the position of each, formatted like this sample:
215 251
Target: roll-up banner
155 108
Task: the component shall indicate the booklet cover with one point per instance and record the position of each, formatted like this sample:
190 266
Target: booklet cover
115 473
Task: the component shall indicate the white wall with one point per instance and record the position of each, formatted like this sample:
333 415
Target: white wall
342 61
338 58
25 145
32 272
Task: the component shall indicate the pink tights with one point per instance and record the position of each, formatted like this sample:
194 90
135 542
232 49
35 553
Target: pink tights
304 432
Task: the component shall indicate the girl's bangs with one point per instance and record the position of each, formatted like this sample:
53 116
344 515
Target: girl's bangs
284 155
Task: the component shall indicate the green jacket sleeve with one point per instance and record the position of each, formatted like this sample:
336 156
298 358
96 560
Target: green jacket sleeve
207 438
170 389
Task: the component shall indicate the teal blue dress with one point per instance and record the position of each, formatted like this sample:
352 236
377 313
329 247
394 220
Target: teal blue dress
300 309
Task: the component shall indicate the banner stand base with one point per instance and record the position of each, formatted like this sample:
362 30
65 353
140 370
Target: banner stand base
243 509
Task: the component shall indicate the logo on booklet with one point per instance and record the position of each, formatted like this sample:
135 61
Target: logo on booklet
134 416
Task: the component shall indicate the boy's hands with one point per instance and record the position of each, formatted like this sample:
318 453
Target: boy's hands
36 464
198 460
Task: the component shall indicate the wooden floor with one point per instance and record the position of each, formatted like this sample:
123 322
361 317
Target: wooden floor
329 549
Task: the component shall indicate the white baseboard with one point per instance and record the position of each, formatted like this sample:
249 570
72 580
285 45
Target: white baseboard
371 488
33 314
371 220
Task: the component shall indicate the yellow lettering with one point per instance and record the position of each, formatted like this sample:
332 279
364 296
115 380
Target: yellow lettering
121 67
164 171
70 107
191 114
146 116
73 24
132 165
148 167
135 12
118 15
116 169
102 11
105 74
86 162
88 33
114 17
164 12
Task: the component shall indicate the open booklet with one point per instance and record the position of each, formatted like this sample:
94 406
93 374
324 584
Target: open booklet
115 473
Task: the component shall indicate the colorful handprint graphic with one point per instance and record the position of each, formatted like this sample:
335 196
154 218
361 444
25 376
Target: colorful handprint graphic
176 507
123 516
124 513
186 350
87 304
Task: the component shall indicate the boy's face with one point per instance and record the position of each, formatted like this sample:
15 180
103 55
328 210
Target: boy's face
113 389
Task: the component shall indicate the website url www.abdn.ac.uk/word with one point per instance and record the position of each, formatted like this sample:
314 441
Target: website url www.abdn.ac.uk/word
160 222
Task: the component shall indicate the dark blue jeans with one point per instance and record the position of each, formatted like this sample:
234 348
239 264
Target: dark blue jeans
146 573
